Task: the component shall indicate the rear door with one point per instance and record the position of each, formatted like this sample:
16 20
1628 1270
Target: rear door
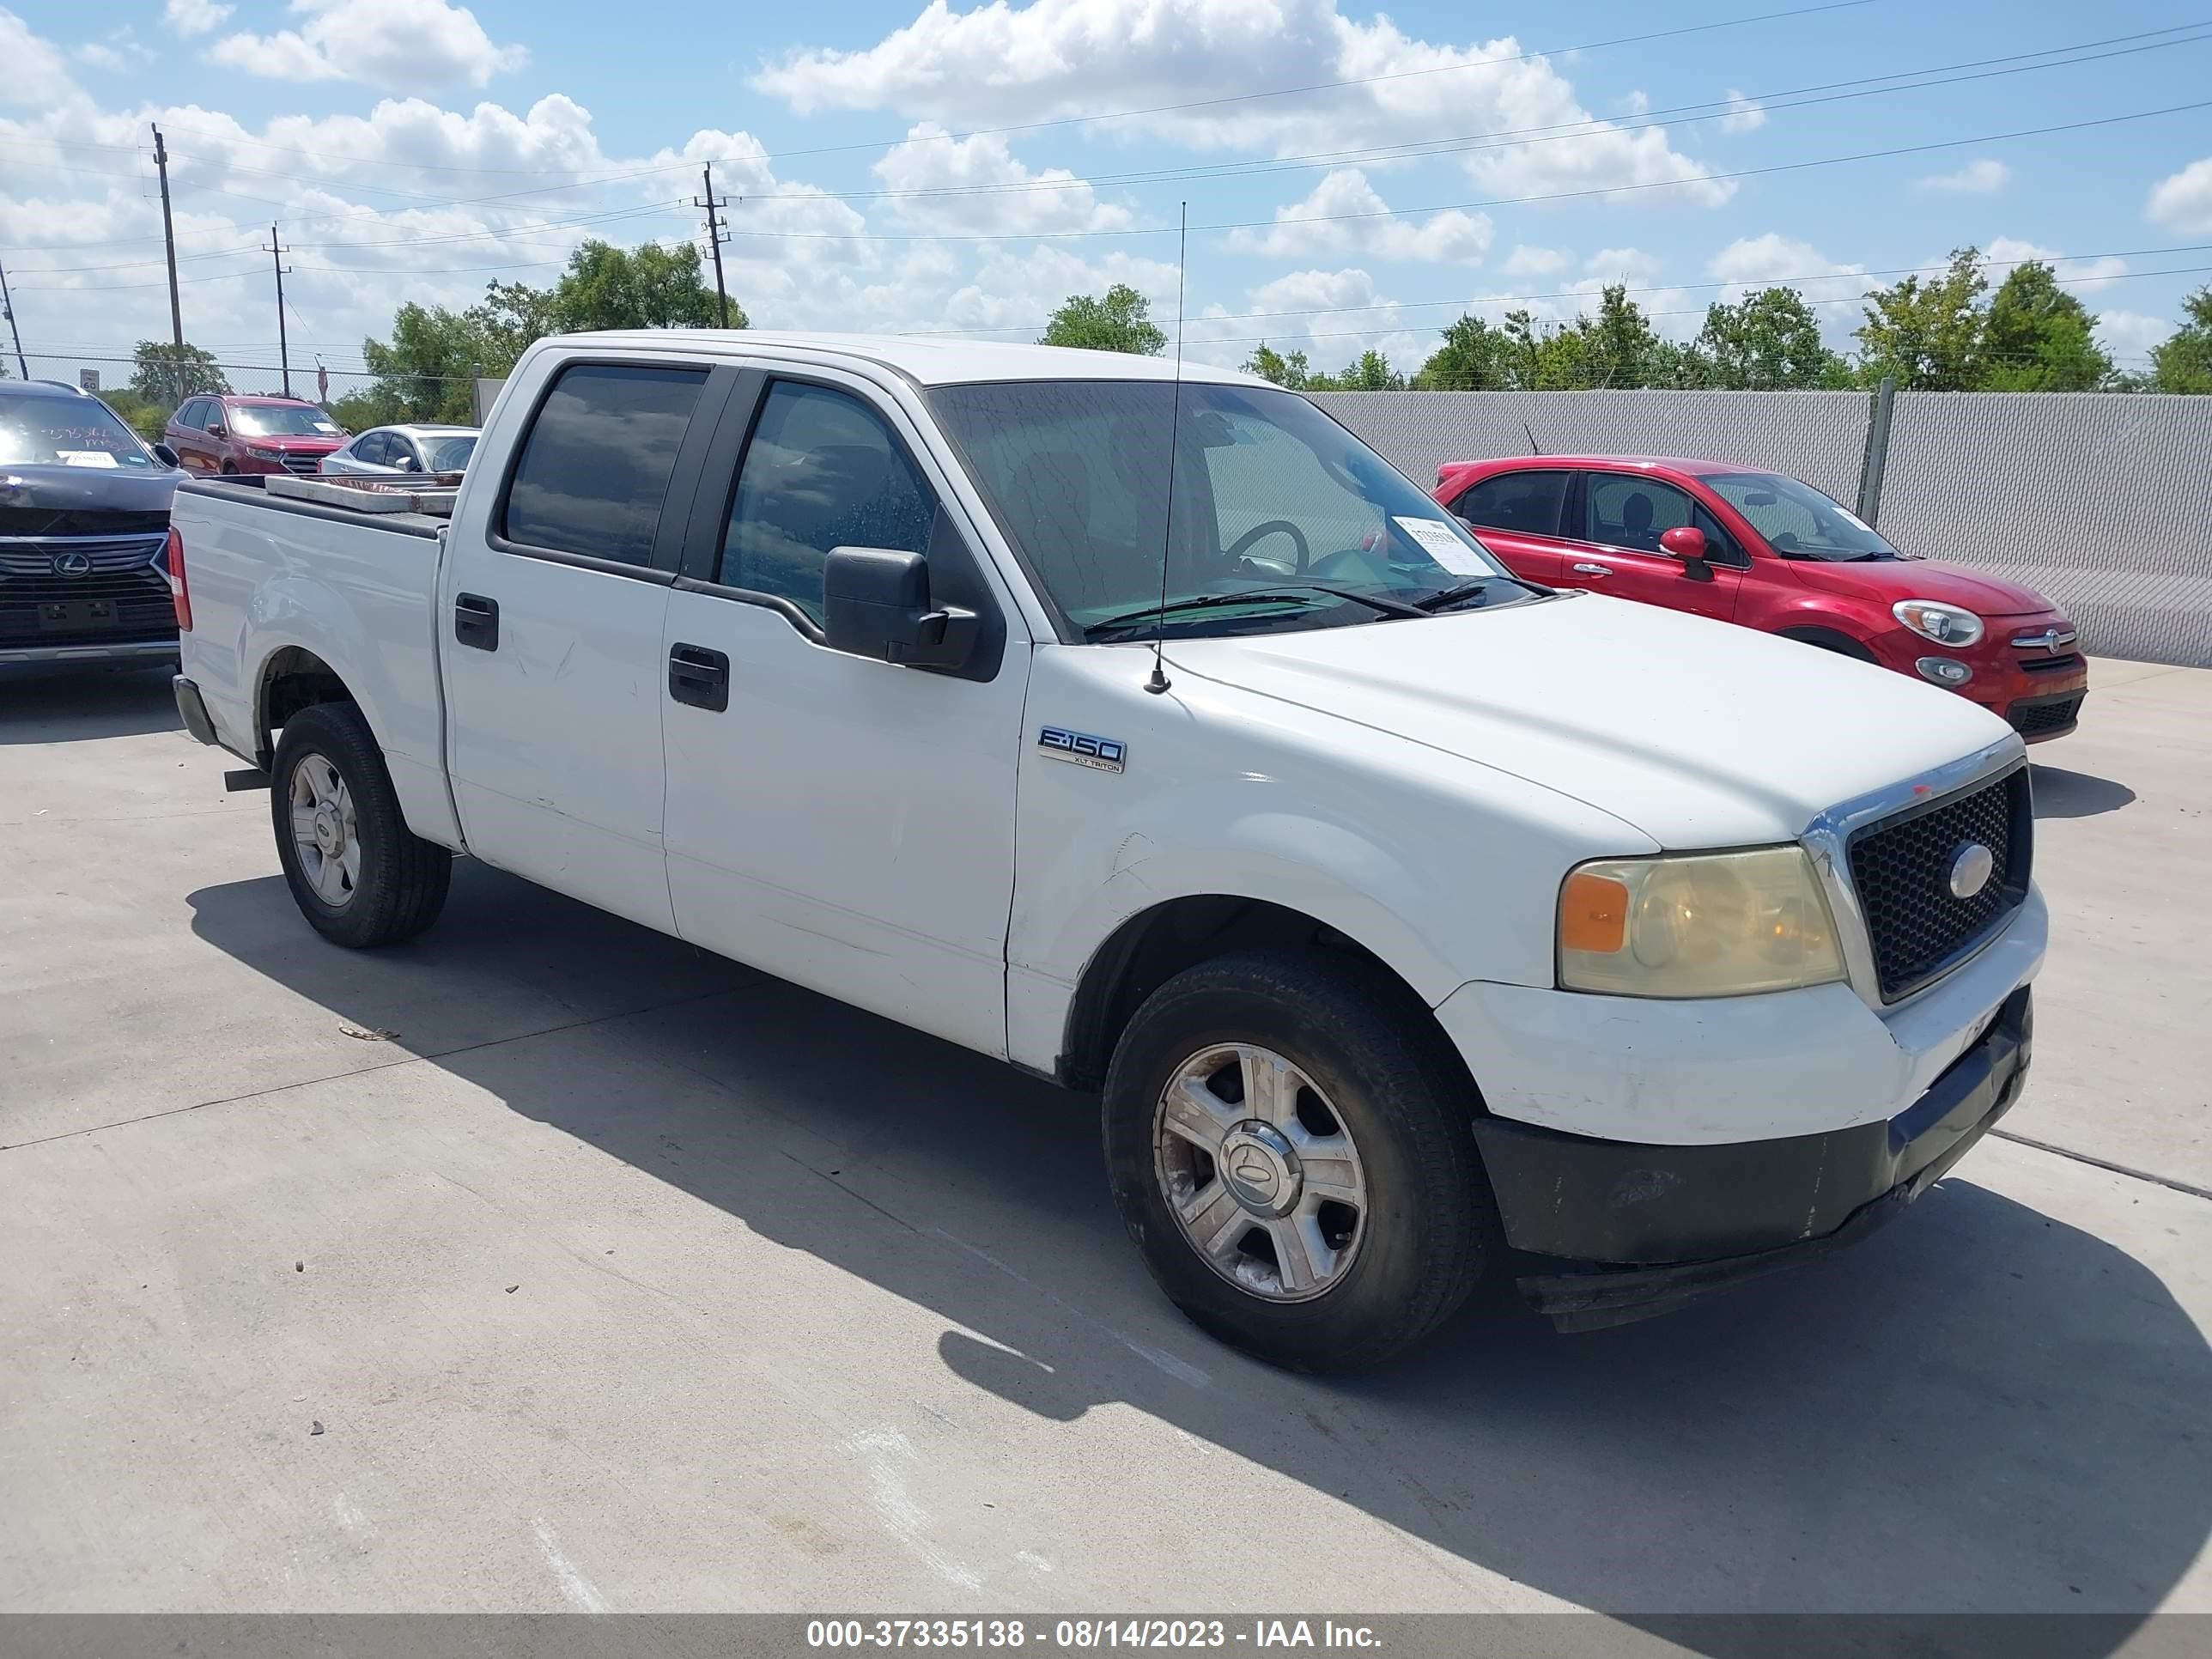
188 438
840 822
1614 521
552 599
1516 515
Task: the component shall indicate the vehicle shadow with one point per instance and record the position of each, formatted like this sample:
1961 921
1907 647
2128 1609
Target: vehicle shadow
1981 1409
67 705
2062 794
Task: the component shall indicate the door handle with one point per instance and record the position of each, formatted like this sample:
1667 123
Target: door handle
1585 569
476 621
699 678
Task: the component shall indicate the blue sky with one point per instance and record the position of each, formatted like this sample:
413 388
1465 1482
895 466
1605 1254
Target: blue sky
931 169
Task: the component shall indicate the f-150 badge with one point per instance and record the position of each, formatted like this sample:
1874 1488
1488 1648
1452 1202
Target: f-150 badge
1101 754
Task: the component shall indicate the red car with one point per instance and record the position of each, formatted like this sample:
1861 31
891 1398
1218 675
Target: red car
232 433
1770 552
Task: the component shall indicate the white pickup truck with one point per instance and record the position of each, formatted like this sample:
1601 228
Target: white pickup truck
1417 927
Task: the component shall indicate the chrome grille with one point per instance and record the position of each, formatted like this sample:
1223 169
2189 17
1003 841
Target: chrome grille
29 557
1901 868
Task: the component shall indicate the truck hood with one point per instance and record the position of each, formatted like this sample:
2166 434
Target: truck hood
1978 591
1697 732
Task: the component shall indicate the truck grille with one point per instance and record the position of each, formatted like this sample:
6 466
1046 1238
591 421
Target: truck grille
1902 870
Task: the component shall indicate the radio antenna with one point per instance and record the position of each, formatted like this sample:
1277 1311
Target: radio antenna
1159 681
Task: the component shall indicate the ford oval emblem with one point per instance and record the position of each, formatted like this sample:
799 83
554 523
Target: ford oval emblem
72 563
1971 868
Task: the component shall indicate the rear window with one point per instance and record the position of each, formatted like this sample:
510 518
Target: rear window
1525 501
595 464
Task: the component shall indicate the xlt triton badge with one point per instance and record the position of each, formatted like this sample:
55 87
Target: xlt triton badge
1105 754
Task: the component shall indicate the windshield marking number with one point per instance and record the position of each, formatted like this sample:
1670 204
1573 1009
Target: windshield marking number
1100 754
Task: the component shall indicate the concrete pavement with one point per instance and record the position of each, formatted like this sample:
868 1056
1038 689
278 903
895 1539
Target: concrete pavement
618 1277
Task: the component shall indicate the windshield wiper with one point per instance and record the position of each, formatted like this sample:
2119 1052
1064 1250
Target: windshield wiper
1250 596
1429 604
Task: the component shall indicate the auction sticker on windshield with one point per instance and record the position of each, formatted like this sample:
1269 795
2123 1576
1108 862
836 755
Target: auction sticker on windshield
1437 541
85 457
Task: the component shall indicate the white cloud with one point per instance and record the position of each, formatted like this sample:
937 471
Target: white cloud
1332 316
1344 213
1048 60
1633 103
1621 264
119 53
1744 113
2004 253
399 44
1528 261
1834 289
194 16
2183 201
1013 292
976 185
35 77
2129 335
1980 177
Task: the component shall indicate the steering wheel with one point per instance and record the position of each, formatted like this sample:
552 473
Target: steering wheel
1274 527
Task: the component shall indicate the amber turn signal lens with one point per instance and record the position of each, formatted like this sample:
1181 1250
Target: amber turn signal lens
1592 914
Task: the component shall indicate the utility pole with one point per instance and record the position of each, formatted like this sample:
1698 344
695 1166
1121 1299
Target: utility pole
8 305
715 235
275 251
169 237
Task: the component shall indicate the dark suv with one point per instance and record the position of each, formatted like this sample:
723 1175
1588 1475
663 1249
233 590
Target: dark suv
84 525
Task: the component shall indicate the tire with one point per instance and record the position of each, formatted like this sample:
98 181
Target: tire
396 884
229 469
1393 1267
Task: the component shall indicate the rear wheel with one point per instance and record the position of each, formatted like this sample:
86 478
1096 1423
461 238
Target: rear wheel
1288 1140
358 874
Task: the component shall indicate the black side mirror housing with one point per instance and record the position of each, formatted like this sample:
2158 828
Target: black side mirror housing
875 602
167 456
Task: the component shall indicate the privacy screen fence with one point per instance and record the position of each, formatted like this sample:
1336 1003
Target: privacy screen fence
2103 501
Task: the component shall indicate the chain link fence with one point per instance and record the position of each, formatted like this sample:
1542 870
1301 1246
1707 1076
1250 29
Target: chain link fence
2103 502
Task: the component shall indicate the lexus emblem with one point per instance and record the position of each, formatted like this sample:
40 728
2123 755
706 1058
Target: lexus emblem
72 563
1971 868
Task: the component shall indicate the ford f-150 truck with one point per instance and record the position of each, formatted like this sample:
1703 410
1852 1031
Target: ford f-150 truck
1143 728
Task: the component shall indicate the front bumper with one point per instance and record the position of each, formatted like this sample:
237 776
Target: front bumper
1607 1231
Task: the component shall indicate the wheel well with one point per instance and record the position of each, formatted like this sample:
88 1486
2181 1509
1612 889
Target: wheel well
1829 639
294 678
1153 947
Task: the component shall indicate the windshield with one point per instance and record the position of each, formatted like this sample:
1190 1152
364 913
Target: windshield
1271 498
66 432
280 421
1797 520
448 454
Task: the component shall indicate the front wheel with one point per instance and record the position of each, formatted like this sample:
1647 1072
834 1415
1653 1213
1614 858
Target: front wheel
1287 1136
358 874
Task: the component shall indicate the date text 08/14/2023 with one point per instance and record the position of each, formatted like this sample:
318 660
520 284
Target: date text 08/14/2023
1084 1634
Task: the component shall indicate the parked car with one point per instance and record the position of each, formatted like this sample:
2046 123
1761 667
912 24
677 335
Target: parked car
1419 925
391 451
233 434
84 521
1771 552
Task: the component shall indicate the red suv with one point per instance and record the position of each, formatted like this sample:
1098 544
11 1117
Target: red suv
1772 553
252 434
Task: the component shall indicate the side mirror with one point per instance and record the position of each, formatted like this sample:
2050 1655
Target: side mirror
218 430
1684 542
167 456
875 602
406 464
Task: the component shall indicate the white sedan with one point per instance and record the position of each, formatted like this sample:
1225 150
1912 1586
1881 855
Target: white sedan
391 451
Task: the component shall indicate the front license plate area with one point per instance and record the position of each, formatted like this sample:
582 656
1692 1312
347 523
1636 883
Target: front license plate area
76 615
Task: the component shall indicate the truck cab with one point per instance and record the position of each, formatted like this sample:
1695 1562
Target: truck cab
1142 728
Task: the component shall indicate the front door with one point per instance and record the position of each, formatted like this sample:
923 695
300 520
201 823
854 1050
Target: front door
1616 525
840 822
1515 514
551 606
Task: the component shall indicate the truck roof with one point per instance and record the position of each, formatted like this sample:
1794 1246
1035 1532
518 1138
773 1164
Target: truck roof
928 362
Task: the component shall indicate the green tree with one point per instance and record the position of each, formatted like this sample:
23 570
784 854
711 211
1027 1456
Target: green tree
1370 372
1928 335
1475 357
1769 341
1292 371
2039 337
2183 361
1120 322
609 287
424 372
167 374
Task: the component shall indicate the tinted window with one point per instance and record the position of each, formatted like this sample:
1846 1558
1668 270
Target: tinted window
451 454
1525 501
193 414
1625 510
822 471
1797 520
595 465
371 448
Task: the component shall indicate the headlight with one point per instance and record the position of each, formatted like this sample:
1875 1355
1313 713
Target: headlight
264 455
1697 925
1945 624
